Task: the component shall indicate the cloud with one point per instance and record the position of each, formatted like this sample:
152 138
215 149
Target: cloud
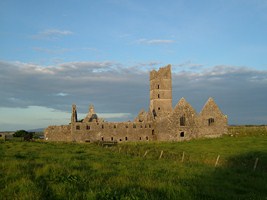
51 34
51 50
116 88
154 41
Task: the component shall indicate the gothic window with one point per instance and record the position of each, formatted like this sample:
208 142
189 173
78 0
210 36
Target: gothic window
211 121
182 121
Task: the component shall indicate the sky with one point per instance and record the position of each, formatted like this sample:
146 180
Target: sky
56 53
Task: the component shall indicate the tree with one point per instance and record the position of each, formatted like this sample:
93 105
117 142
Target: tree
20 133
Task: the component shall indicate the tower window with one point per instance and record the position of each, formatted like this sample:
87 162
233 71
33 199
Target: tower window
88 127
182 121
211 121
102 126
158 86
111 138
126 138
158 108
153 132
158 96
77 127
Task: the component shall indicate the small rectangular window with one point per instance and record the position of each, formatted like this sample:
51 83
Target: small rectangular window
77 127
158 96
88 127
158 108
158 86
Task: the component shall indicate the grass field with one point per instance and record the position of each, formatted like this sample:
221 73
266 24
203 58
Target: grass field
184 170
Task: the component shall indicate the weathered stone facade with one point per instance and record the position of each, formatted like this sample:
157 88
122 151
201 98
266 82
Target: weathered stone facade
160 123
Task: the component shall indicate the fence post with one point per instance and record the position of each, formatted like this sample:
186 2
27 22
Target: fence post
183 157
145 153
217 160
255 164
161 153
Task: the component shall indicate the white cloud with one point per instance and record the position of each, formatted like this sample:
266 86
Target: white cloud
51 50
51 34
154 41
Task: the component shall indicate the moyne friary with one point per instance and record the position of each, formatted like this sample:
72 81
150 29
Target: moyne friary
162 122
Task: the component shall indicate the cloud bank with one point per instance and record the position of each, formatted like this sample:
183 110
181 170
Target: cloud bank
123 90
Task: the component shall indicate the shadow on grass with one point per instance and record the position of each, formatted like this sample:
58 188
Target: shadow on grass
236 180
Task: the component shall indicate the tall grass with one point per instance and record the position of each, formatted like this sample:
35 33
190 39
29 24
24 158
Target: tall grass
40 170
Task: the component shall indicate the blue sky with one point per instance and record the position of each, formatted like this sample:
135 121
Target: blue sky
55 53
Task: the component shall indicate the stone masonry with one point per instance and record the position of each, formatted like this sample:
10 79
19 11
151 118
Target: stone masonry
162 122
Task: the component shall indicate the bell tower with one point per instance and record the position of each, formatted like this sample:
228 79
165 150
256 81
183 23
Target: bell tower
161 92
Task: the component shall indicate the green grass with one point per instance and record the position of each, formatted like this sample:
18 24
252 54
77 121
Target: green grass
40 170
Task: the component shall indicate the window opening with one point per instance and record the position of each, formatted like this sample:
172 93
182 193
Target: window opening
182 134
153 132
182 121
158 96
158 108
211 121
111 138
134 125
88 127
146 137
158 86
126 138
77 127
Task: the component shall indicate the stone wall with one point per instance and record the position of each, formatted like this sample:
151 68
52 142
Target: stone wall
111 131
58 133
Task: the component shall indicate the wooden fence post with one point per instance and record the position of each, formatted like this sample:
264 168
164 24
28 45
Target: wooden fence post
217 160
183 157
161 153
255 164
145 153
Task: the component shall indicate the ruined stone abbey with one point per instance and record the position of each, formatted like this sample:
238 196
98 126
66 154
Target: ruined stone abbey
162 122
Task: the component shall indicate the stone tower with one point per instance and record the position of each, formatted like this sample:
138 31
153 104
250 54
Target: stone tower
161 92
